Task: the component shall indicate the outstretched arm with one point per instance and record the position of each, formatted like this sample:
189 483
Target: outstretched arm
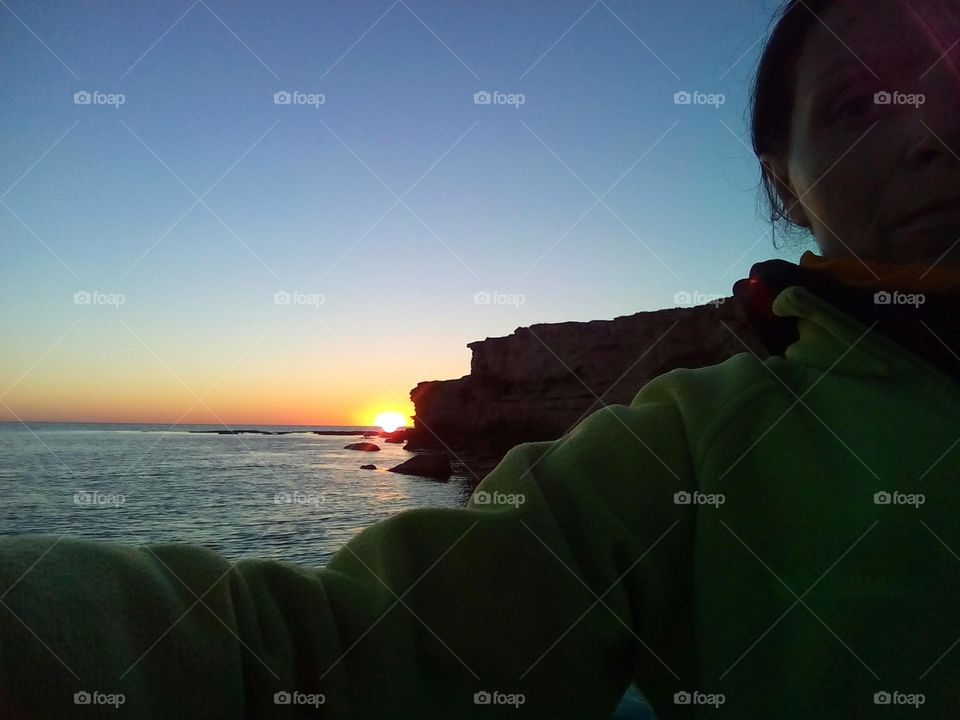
573 577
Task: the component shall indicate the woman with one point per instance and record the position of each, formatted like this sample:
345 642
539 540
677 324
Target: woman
754 539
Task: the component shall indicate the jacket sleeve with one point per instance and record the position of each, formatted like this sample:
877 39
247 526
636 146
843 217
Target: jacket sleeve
568 574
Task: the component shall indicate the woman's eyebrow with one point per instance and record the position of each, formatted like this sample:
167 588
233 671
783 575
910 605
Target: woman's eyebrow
832 70
843 65
874 61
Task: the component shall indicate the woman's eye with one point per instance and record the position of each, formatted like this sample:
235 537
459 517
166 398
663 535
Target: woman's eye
856 107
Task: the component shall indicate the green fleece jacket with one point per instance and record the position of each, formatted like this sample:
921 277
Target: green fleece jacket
753 539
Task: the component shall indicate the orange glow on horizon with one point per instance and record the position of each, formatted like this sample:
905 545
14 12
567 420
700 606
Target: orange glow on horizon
174 409
63 388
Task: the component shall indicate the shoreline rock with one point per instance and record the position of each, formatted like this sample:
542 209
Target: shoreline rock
363 447
431 465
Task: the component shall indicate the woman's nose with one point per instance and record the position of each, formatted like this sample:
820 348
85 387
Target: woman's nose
938 119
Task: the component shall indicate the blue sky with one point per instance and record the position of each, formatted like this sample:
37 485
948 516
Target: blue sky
391 203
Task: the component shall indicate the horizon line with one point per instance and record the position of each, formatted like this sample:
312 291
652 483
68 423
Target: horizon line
224 425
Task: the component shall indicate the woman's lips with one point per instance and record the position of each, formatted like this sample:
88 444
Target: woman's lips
939 218
927 237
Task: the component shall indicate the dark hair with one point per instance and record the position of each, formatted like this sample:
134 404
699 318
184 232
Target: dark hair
772 94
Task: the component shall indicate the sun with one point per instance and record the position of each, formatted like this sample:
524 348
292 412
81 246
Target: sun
390 421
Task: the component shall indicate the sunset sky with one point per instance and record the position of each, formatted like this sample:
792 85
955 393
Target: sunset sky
177 243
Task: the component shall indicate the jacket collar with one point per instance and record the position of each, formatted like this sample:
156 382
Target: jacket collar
827 314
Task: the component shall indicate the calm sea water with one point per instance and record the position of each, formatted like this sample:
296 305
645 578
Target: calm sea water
296 497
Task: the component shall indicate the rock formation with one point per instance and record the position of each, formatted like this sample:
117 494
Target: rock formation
539 381
432 465
364 446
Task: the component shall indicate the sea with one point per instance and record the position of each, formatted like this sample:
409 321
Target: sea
296 497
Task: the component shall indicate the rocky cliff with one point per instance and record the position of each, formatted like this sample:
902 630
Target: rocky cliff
539 381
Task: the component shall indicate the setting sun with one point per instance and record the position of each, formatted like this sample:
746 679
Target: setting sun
390 421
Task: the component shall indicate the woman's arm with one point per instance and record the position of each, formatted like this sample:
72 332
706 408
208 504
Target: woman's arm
572 578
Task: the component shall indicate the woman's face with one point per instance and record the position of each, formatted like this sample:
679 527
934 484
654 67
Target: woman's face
860 167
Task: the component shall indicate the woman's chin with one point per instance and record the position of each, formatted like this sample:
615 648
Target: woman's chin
938 246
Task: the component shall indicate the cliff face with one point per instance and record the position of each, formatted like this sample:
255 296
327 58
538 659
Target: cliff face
538 382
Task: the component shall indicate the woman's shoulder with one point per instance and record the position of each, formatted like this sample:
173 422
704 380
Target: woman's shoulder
717 383
705 396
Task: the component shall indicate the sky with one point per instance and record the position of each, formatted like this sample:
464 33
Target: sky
293 212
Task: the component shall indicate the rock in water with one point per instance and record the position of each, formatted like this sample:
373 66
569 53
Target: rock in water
368 467
368 446
397 436
433 466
